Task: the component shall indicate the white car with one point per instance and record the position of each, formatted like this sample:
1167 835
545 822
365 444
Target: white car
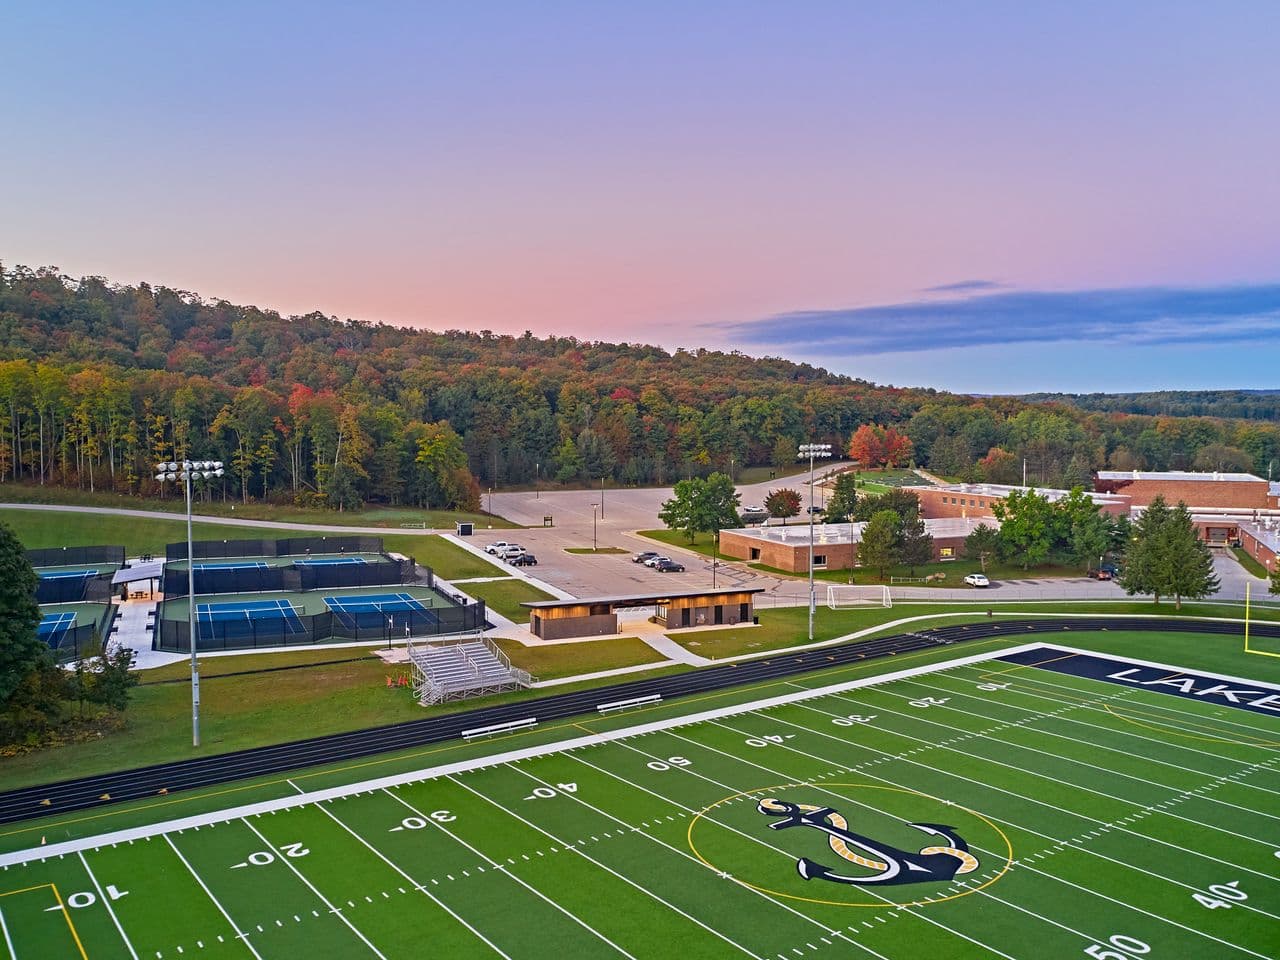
496 548
977 580
654 561
510 551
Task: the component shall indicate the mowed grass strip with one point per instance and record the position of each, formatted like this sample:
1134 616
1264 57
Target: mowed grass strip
551 661
505 596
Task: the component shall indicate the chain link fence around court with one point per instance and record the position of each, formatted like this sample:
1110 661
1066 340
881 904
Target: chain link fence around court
263 579
302 629
73 556
74 589
293 547
83 639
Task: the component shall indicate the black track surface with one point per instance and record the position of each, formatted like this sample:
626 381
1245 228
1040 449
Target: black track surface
30 802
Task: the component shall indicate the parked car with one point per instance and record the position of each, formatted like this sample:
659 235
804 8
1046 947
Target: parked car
655 560
753 514
1100 574
1110 568
668 566
643 556
496 547
977 580
510 551
524 560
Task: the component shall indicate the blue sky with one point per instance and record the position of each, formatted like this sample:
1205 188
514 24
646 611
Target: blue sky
914 192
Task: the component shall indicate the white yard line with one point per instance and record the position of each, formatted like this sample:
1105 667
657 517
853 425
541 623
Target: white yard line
416 885
106 902
323 899
623 877
462 766
510 875
240 934
4 928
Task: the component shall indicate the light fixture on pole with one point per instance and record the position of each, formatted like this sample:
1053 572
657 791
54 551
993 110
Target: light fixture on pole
812 451
187 472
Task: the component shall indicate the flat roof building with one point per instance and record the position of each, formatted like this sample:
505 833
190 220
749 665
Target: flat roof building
1261 540
835 545
1240 491
976 499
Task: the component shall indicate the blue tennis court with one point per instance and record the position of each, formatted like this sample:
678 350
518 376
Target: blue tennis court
242 618
54 626
380 609
230 565
329 561
69 575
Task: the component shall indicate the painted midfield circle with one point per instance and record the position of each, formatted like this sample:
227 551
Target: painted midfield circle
850 844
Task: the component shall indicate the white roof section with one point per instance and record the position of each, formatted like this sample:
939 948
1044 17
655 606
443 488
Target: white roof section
1002 490
152 570
1265 531
797 534
1192 476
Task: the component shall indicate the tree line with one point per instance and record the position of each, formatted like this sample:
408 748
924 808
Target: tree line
98 381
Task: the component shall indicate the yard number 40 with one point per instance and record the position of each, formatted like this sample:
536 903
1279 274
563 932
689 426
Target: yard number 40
1118 947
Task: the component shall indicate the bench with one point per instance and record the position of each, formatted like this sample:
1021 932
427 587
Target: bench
508 727
627 704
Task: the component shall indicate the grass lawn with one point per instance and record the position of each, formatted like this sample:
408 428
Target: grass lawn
373 516
589 550
702 543
1250 564
784 627
214 666
505 596
551 661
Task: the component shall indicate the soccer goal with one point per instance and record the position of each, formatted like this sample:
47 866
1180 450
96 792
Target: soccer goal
842 597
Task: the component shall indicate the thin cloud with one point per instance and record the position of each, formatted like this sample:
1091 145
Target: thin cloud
964 286
1139 316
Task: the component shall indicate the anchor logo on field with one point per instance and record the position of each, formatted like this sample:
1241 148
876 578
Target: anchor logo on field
942 861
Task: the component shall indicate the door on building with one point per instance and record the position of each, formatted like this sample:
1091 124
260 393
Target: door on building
684 617
719 614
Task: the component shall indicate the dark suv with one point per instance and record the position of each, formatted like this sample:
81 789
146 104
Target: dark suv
525 560
669 566
642 557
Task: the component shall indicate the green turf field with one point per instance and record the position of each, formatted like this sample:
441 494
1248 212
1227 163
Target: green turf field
1100 820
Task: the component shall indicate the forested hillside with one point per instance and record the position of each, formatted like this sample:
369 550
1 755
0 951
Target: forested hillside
1243 404
98 381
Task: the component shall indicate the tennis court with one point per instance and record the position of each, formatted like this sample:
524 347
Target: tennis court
67 574
327 561
376 609
231 565
237 618
54 626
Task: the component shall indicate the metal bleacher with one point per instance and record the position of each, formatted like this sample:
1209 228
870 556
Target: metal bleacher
462 667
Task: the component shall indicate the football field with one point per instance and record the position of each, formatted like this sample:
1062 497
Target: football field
1034 803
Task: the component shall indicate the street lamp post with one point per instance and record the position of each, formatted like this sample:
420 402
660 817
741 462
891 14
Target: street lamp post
595 509
812 451
537 481
188 471
602 498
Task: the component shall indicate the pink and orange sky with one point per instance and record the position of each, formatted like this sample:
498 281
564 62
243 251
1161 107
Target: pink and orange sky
683 174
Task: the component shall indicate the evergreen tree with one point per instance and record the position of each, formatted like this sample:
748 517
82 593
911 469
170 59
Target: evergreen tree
915 544
1184 568
1141 557
22 652
1275 579
843 499
878 547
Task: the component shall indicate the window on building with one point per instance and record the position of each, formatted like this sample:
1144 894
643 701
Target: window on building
946 553
819 561
755 553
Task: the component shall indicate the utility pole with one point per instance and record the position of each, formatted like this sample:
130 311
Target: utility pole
812 450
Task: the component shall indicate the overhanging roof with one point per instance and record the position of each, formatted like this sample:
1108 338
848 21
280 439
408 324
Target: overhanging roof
636 599
153 570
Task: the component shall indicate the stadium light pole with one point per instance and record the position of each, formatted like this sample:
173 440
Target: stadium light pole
595 507
601 496
188 471
812 451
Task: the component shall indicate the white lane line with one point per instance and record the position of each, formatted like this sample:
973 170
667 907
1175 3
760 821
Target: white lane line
461 766
417 886
323 899
4 928
507 873
240 934
647 892
106 902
